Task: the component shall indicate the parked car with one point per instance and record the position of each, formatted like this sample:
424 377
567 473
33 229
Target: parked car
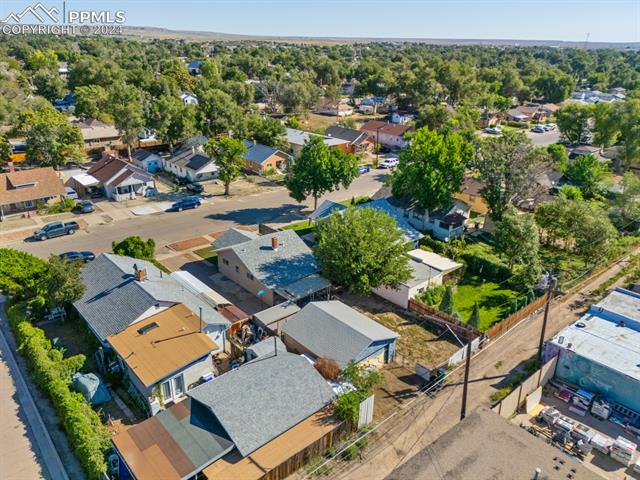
587 138
493 130
195 187
73 256
85 206
364 169
549 127
185 204
538 129
71 193
389 163
56 229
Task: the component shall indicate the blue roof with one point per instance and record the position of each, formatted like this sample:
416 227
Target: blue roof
326 209
383 205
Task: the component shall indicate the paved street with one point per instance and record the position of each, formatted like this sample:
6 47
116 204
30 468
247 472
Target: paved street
268 207
544 139
413 429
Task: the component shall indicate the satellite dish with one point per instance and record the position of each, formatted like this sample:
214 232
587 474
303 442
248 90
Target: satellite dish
261 293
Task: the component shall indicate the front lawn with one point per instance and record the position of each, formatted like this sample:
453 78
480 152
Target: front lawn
301 228
493 299
208 253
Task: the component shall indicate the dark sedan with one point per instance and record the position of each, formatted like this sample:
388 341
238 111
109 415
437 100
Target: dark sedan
74 256
85 206
185 204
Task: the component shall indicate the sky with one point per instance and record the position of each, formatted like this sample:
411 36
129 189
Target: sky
602 20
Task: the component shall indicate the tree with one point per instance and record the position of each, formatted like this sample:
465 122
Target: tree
474 320
588 172
573 120
218 114
172 119
21 274
508 166
570 192
297 97
6 149
43 60
517 238
626 211
92 102
268 131
135 247
362 249
318 170
593 234
228 155
446 305
50 139
125 105
559 156
63 283
554 85
49 84
432 169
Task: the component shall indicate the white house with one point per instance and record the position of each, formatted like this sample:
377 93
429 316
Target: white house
189 98
386 134
191 163
335 108
428 269
297 139
121 180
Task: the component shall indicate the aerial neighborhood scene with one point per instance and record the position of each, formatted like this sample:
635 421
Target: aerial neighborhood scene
307 240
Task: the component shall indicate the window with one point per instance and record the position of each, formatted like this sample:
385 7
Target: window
237 269
249 276
178 386
225 261
166 391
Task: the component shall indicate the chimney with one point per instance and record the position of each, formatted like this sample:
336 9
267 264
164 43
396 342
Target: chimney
274 243
141 274
537 474
193 150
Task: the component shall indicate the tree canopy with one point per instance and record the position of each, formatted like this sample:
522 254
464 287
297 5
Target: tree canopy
135 247
228 155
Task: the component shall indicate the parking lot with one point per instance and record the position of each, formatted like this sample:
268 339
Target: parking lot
597 461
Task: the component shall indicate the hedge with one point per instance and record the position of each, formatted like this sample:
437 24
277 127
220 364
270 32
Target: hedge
485 267
52 373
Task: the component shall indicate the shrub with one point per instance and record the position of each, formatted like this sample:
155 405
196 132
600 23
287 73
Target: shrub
486 268
21 274
52 374
446 305
347 407
64 205
328 368
432 296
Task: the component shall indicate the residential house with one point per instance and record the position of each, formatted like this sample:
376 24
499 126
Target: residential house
267 347
410 233
521 114
165 355
243 425
191 163
428 269
331 329
272 319
120 179
445 224
335 108
147 160
471 194
326 209
189 98
348 87
233 236
96 134
262 159
399 119
63 69
66 104
194 67
490 119
386 134
357 141
121 291
595 96
275 267
22 191
297 139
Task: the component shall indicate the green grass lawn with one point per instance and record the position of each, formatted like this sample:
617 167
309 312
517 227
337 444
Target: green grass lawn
494 300
301 228
208 254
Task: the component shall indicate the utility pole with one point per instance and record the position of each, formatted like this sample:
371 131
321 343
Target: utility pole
467 367
552 283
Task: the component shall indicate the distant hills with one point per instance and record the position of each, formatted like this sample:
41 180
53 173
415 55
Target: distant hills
196 36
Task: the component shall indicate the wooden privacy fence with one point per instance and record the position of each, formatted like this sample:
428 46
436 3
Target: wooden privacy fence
512 320
441 319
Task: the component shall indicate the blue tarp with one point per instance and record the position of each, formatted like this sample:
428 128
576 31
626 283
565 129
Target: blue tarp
92 388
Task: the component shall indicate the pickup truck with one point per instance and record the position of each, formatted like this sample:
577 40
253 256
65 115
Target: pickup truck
56 229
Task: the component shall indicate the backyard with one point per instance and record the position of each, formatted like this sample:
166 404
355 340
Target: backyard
494 300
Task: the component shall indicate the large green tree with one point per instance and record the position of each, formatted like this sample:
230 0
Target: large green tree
517 238
172 119
573 120
63 283
218 114
50 139
5 148
318 170
268 131
588 172
362 249
432 169
92 102
508 166
135 247
126 107
228 155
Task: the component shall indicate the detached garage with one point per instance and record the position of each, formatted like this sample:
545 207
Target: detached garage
334 330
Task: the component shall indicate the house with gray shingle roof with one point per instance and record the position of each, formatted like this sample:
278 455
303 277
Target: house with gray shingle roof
233 236
274 267
191 163
331 329
262 159
116 296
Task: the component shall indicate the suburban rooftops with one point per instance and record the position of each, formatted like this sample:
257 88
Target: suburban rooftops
233 236
264 398
258 153
25 185
190 157
334 330
162 344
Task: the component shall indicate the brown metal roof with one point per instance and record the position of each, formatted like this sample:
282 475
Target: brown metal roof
387 128
121 178
15 186
274 453
106 168
162 344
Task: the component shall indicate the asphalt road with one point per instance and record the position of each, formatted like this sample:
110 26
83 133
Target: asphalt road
270 207
544 139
